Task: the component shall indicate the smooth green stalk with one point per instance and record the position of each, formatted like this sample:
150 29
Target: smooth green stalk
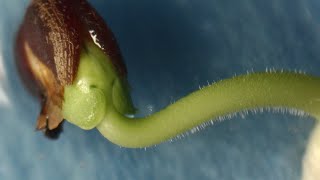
232 95
274 89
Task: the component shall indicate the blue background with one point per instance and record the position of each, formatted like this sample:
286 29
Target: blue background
171 47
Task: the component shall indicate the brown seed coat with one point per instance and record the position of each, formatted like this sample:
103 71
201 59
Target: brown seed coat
48 47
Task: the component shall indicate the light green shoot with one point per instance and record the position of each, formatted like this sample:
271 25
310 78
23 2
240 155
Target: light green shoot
98 98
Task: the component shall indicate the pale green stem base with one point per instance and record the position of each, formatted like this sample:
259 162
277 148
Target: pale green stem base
274 89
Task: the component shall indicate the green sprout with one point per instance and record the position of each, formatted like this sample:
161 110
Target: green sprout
99 99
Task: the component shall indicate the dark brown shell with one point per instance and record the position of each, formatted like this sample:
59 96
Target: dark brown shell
98 30
48 47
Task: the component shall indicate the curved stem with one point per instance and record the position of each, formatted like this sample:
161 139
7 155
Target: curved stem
274 89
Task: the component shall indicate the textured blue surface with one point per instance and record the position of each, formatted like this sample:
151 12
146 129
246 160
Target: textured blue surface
170 48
